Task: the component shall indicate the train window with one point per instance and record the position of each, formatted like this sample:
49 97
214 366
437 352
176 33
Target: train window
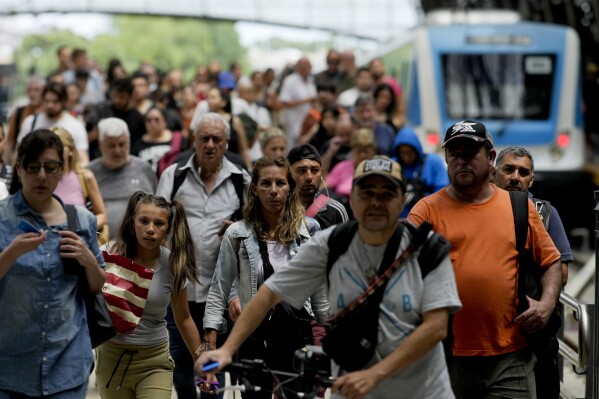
498 86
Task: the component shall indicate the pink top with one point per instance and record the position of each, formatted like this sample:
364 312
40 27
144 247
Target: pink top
69 189
341 176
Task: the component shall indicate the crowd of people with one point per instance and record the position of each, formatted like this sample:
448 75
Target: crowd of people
245 179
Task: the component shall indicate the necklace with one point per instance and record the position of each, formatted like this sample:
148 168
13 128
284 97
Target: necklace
374 256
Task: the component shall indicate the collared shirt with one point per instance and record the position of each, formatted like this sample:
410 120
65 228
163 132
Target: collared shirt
44 340
205 213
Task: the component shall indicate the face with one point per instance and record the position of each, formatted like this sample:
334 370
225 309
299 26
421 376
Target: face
344 130
276 147
364 114
362 152
364 81
215 101
210 144
382 100
377 203
272 189
140 88
73 94
328 122
307 173
468 165
377 69
151 226
258 79
407 154
52 105
514 173
34 92
39 185
155 122
115 151
120 99
333 60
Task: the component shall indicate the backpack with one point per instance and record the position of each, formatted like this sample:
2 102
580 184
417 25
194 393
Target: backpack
433 251
416 187
236 179
544 210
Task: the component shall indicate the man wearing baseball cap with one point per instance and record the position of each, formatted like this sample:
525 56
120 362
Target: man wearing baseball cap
489 356
307 170
409 360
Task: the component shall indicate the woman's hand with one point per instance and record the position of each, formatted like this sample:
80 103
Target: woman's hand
234 309
72 246
26 242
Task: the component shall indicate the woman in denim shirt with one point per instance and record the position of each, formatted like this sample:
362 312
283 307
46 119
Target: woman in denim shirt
45 349
273 228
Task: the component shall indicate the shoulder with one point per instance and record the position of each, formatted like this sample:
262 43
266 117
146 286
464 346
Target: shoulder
94 165
239 229
311 226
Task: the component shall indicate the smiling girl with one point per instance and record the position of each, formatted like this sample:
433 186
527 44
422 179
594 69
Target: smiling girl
139 364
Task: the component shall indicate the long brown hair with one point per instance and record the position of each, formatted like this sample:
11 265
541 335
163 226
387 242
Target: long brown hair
182 259
293 216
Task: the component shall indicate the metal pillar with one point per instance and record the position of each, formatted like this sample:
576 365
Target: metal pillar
592 387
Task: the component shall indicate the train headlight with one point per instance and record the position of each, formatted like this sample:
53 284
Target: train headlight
433 139
562 142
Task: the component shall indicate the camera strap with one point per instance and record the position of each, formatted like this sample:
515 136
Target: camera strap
376 289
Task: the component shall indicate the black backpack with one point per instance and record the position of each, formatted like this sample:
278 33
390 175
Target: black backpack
236 179
435 248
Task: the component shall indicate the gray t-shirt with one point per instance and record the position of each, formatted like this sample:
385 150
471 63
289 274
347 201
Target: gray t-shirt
117 185
407 298
151 329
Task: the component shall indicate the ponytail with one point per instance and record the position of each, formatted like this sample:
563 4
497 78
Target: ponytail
183 254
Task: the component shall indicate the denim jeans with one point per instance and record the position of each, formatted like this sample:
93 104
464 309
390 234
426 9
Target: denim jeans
183 375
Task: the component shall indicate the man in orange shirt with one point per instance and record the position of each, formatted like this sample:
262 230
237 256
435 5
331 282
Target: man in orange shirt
490 355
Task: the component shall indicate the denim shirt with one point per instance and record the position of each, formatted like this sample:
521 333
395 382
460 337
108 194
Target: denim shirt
44 340
231 280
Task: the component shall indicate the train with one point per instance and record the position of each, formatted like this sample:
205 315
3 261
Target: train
522 79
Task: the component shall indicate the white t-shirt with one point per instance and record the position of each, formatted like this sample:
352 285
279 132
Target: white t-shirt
407 297
296 88
65 121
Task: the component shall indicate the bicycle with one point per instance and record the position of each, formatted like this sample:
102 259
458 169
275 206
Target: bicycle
313 372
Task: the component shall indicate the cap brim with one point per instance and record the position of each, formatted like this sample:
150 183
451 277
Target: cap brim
390 178
465 136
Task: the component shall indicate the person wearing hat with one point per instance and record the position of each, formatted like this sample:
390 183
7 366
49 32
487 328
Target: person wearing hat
489 355
307 169
409 360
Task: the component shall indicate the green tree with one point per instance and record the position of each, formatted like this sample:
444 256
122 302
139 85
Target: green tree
165 42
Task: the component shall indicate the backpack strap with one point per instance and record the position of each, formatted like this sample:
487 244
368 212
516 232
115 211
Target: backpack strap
519 201
339 241
71 217
237 180
434 249
317 205
179 177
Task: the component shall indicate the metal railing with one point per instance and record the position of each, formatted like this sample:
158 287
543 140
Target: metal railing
579 358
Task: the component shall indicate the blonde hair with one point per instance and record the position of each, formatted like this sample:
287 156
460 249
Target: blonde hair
362 137
66 138
269 134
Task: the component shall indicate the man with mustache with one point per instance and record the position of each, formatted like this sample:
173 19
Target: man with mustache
514 171
489 354
307 170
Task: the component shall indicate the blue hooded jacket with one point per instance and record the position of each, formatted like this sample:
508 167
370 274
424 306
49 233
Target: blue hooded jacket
433 173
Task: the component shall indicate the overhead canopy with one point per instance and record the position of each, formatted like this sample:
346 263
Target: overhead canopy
380 20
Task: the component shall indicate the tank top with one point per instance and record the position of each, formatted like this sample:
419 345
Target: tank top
69 189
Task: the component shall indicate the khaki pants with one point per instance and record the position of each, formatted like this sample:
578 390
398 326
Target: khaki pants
130 372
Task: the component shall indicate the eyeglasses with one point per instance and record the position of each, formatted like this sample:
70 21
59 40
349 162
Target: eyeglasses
50 167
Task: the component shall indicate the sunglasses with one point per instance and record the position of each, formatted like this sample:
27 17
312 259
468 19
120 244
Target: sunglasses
50 167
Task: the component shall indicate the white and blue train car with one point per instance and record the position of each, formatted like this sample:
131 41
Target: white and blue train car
521 79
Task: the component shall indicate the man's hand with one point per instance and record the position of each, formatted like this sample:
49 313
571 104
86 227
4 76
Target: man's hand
221 356
535 317
357 384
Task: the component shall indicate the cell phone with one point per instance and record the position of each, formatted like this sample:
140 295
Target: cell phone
209 366
28 227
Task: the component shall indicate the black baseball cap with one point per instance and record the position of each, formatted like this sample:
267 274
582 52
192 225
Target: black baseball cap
468 129
303 151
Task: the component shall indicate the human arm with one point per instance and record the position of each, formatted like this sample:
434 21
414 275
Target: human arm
93 190
73 247
538 312
184 321
21 244
428 334
307 136
248 321
327 158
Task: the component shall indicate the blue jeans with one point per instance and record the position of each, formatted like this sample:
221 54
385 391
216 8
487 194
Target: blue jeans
183 375
74 393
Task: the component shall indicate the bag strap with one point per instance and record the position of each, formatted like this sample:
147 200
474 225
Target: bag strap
237 180
375 291
71 217
267 269
519 200
317 205
544 210
339 241
179 177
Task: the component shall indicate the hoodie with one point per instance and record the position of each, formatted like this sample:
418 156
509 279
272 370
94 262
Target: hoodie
433 174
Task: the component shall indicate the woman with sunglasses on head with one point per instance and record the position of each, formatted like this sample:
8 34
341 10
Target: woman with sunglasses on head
271 232
45 349
139 364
